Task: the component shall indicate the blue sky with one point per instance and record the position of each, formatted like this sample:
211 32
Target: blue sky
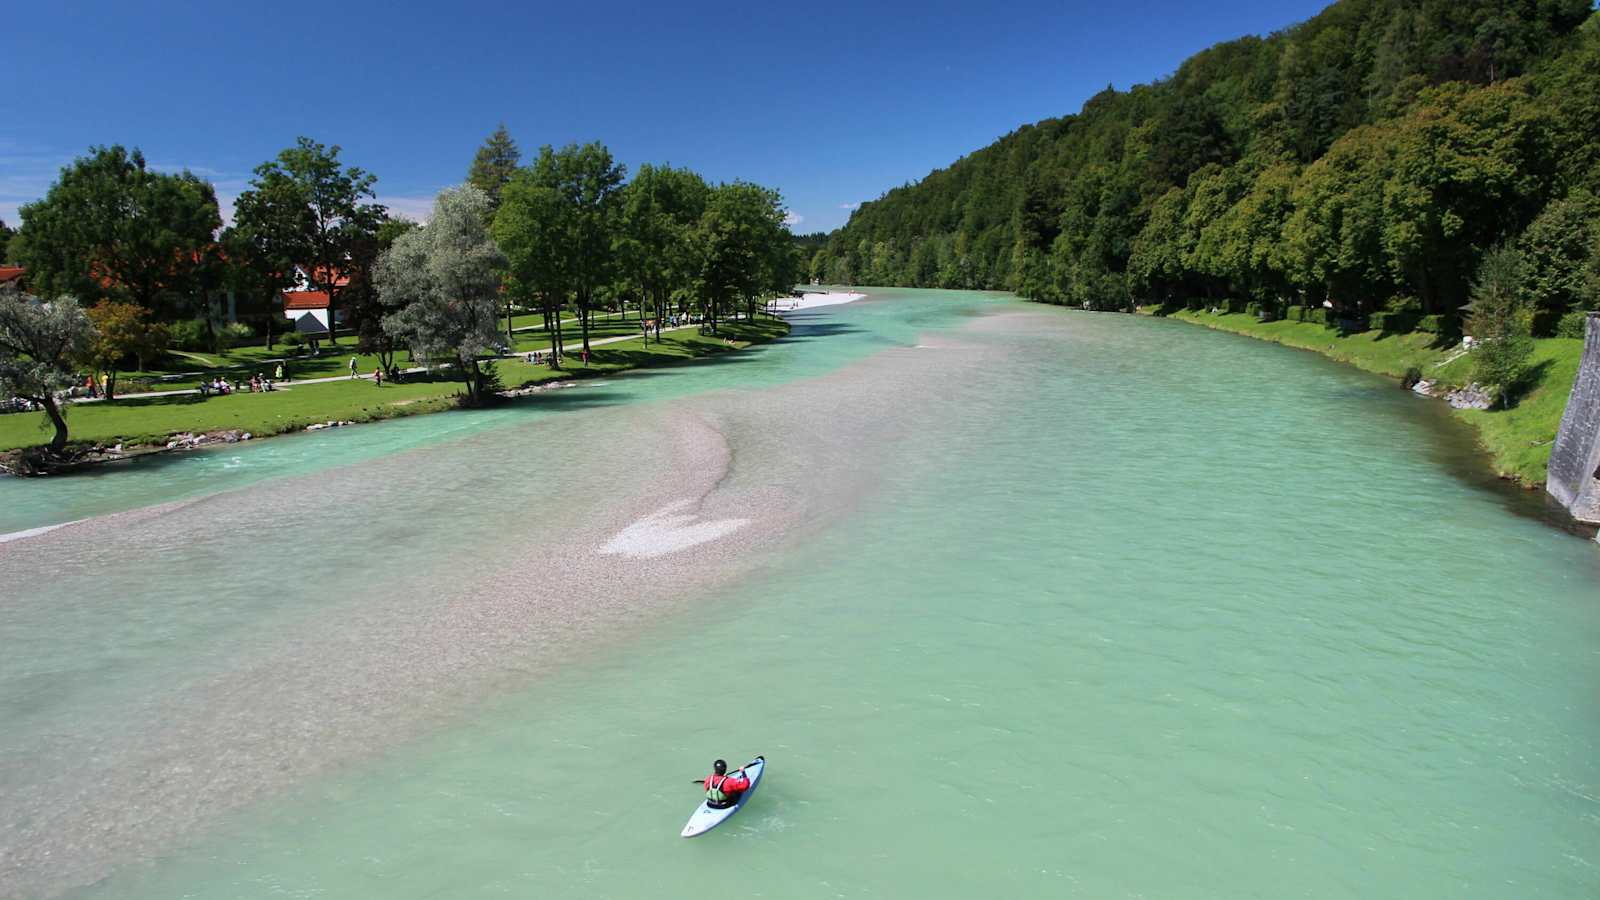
830 103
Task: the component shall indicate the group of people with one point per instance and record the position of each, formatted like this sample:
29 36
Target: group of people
540 357
222 387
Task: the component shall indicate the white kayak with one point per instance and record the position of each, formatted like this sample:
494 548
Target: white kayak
706 818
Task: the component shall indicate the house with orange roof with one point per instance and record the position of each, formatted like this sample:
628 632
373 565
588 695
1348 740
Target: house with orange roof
310 298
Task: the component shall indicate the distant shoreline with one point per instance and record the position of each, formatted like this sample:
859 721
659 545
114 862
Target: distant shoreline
802 302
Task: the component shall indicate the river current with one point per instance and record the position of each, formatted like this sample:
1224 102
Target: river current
1016 602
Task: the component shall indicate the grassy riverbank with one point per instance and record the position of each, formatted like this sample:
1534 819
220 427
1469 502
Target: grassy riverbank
180 369
1517 439
153 420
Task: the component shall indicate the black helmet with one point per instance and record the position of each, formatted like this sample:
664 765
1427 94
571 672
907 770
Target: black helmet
720 767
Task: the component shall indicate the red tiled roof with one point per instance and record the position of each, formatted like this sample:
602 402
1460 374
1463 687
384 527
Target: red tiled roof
305 300
11 273
319 275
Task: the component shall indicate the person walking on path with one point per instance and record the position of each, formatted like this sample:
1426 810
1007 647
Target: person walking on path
377 376
278 374
352 367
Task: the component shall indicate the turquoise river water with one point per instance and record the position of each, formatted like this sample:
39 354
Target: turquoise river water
1016 601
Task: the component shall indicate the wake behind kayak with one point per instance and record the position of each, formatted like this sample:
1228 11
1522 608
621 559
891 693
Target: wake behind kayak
707 817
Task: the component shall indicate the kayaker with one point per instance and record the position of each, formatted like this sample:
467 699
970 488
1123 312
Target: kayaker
722 789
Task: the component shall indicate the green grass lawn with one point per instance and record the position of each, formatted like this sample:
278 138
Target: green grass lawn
242 362
1518 439
153 420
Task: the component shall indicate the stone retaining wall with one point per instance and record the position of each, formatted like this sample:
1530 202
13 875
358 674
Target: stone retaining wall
1574 477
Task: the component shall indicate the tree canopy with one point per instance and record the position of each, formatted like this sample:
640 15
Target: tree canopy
304 207
112 227
443 280
494 164
39 344
1378 150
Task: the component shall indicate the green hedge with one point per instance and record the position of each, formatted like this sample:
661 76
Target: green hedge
1314 314
1392 322
1434 324
1573 324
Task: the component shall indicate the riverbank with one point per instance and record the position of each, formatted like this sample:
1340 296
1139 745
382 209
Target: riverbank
1517 440
150 423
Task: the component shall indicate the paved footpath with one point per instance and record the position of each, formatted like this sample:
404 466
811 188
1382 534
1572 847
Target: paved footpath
291 385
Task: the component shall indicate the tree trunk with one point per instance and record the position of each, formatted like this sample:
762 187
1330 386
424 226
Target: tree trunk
111 384
333 319
59 442
553 328
469 376
511 339
583 319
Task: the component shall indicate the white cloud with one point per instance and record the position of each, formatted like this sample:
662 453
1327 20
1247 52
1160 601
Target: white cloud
417 209
793 219
850 205
204 172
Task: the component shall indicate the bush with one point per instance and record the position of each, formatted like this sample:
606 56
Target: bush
292 341
1318 315
1502 321
191 334
235 334
1252 309
1393 322
1434 324
1403 303
1413 376
1573 325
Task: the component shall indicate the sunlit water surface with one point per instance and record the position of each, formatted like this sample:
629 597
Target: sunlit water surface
1140 611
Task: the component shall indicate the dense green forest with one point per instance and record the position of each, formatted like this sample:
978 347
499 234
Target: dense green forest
1369 157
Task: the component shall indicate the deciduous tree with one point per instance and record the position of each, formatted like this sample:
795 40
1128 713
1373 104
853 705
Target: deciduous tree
112 227
660 209
121 330
444 280
306 207
38 344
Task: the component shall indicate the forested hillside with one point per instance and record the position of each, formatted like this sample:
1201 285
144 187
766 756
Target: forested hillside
1369 157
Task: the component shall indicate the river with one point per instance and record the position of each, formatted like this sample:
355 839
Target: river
1016 601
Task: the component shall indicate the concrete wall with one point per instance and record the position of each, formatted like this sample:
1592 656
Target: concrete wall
1574 477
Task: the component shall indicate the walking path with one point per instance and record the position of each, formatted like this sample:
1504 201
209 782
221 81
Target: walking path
290 385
